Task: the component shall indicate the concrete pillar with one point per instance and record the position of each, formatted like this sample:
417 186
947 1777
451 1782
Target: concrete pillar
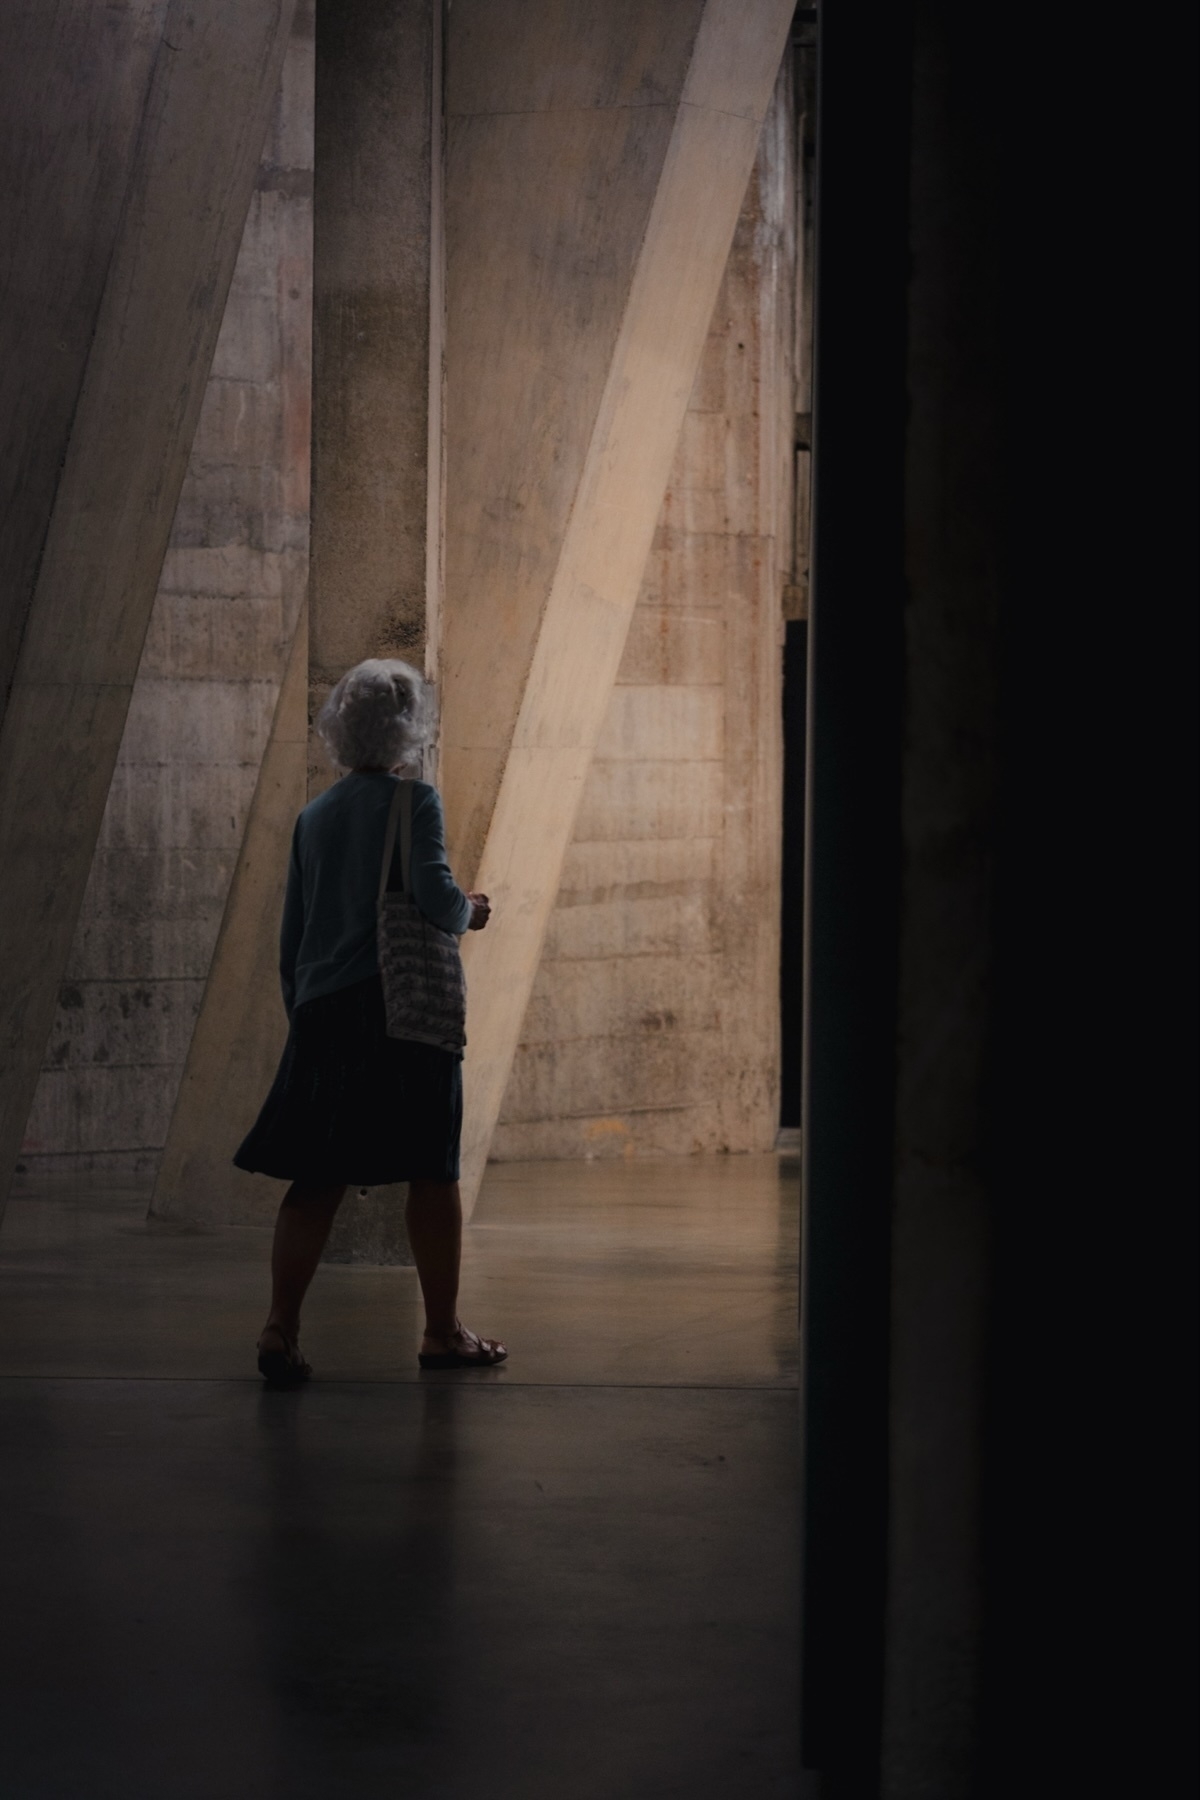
377 305
188 142
377 391
375 533
596 164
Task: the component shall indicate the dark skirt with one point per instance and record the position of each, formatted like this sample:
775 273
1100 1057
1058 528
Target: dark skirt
352 1105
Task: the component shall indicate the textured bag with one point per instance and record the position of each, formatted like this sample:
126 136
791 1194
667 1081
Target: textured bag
424 992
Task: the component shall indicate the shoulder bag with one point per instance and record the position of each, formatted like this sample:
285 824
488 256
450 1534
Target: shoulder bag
424 990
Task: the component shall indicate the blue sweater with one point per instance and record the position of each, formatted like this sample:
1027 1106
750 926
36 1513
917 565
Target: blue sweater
328 936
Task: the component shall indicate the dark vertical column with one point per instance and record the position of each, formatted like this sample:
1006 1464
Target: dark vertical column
853 861
796 591
372 267
376 331
791 937
940 1201
1090 1566
998 1307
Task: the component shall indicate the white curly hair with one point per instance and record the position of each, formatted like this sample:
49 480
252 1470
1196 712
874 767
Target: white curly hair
380 715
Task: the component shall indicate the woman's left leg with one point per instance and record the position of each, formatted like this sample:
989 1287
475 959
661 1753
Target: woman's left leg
433 1220
301 1231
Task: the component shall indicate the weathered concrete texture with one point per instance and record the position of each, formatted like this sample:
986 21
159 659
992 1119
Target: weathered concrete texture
804 140
201 710
181 219
241 1028
75 85
652 1025
375 156
599 280
558 120
369 1228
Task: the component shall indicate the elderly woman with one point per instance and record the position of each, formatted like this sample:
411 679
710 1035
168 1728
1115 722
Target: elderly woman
350 1105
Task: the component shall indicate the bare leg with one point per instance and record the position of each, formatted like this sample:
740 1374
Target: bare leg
301 1230
434 1219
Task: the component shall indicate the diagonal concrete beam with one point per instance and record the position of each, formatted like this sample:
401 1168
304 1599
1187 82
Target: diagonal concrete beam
564 588
214 78
241 1029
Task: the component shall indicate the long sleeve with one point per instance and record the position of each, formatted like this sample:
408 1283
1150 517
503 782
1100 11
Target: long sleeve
434 888
292 928
328 937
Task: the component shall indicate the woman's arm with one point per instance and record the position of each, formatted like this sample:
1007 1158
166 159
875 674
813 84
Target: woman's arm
292 928
434 888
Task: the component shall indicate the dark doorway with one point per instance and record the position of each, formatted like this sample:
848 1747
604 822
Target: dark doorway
791 947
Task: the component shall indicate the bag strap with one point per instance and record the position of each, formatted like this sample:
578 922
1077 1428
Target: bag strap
399 817
406 793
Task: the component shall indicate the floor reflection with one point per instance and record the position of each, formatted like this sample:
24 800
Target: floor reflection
355 1583
573 1575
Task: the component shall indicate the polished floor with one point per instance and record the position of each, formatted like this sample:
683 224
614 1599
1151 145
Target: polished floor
573 1576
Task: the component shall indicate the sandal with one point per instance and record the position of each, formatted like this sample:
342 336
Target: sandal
282 1368
470 1352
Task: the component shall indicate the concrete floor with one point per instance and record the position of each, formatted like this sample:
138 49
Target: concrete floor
572 1576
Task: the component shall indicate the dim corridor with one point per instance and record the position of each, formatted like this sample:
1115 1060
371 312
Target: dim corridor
574 1575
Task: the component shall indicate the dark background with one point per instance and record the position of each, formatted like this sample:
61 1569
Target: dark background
1065 160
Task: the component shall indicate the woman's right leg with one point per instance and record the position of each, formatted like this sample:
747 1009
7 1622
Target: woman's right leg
434 1219
433 1216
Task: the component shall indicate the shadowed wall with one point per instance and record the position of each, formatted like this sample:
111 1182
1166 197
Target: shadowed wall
210 673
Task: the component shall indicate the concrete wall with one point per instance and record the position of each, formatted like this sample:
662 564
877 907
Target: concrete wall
653 1024
653 1027
223 618
71 120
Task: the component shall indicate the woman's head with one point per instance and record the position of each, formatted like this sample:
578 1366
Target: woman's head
378 716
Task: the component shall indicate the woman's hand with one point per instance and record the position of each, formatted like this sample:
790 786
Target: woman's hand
481 911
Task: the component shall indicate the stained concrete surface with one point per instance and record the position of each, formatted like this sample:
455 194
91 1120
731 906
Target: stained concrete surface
597 235
574 1575
652 1021
201 709
102 541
